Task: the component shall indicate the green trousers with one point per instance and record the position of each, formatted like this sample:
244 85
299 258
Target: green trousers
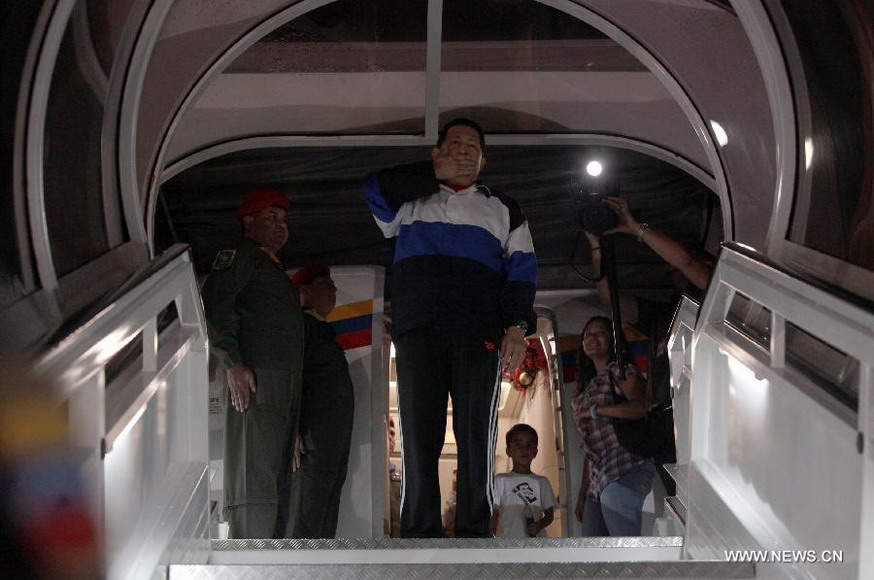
257 464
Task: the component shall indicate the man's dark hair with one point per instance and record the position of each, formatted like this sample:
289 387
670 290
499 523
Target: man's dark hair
465 123
522 428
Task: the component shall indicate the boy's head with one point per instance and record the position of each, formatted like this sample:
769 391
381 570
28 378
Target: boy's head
522 446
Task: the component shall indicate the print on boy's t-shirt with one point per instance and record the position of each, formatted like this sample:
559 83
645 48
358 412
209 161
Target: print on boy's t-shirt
519 496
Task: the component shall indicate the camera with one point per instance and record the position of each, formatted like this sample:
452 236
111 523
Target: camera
587 195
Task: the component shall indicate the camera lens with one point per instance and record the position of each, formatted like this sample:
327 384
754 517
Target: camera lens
593 215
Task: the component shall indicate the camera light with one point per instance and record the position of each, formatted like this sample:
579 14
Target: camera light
594 168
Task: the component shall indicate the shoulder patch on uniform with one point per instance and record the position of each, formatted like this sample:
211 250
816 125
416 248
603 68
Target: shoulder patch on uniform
224 259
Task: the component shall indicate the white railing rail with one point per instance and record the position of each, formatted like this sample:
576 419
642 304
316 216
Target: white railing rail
144 433
680 354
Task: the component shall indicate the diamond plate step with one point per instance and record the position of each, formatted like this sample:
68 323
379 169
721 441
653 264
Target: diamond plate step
408 559
454 571
461 551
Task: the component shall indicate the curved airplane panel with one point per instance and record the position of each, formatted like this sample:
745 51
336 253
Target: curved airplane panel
708 51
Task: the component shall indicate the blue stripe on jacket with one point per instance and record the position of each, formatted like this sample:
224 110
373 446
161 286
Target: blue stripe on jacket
522 267
442 239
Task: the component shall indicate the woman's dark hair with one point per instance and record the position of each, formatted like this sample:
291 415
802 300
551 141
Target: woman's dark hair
585 364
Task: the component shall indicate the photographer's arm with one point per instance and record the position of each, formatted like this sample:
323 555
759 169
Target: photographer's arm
627 304
678 256
669 249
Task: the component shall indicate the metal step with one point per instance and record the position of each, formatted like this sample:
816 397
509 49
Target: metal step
388 559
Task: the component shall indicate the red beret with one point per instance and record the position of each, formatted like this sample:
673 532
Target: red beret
262 199
306 274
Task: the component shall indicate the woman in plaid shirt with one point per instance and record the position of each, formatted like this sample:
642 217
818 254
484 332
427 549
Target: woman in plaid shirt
615 481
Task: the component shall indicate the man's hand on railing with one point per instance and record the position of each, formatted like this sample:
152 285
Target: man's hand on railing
241 382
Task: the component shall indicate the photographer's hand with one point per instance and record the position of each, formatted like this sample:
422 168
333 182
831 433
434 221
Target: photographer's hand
627 223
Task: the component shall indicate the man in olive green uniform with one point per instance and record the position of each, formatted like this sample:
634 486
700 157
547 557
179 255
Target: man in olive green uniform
256 331
327 410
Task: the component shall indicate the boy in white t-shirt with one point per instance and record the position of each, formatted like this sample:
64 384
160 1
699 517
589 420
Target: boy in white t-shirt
524 502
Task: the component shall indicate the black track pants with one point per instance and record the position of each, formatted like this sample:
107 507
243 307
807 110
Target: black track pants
431 366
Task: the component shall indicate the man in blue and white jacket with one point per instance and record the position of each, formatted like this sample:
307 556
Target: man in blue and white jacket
464 279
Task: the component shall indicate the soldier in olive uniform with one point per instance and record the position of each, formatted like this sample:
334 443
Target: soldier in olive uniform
256 331
327 410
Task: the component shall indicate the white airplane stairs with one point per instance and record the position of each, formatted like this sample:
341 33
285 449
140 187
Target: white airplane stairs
774 450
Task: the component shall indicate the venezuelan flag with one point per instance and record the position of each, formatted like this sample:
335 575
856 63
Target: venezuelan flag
352 324
638 344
